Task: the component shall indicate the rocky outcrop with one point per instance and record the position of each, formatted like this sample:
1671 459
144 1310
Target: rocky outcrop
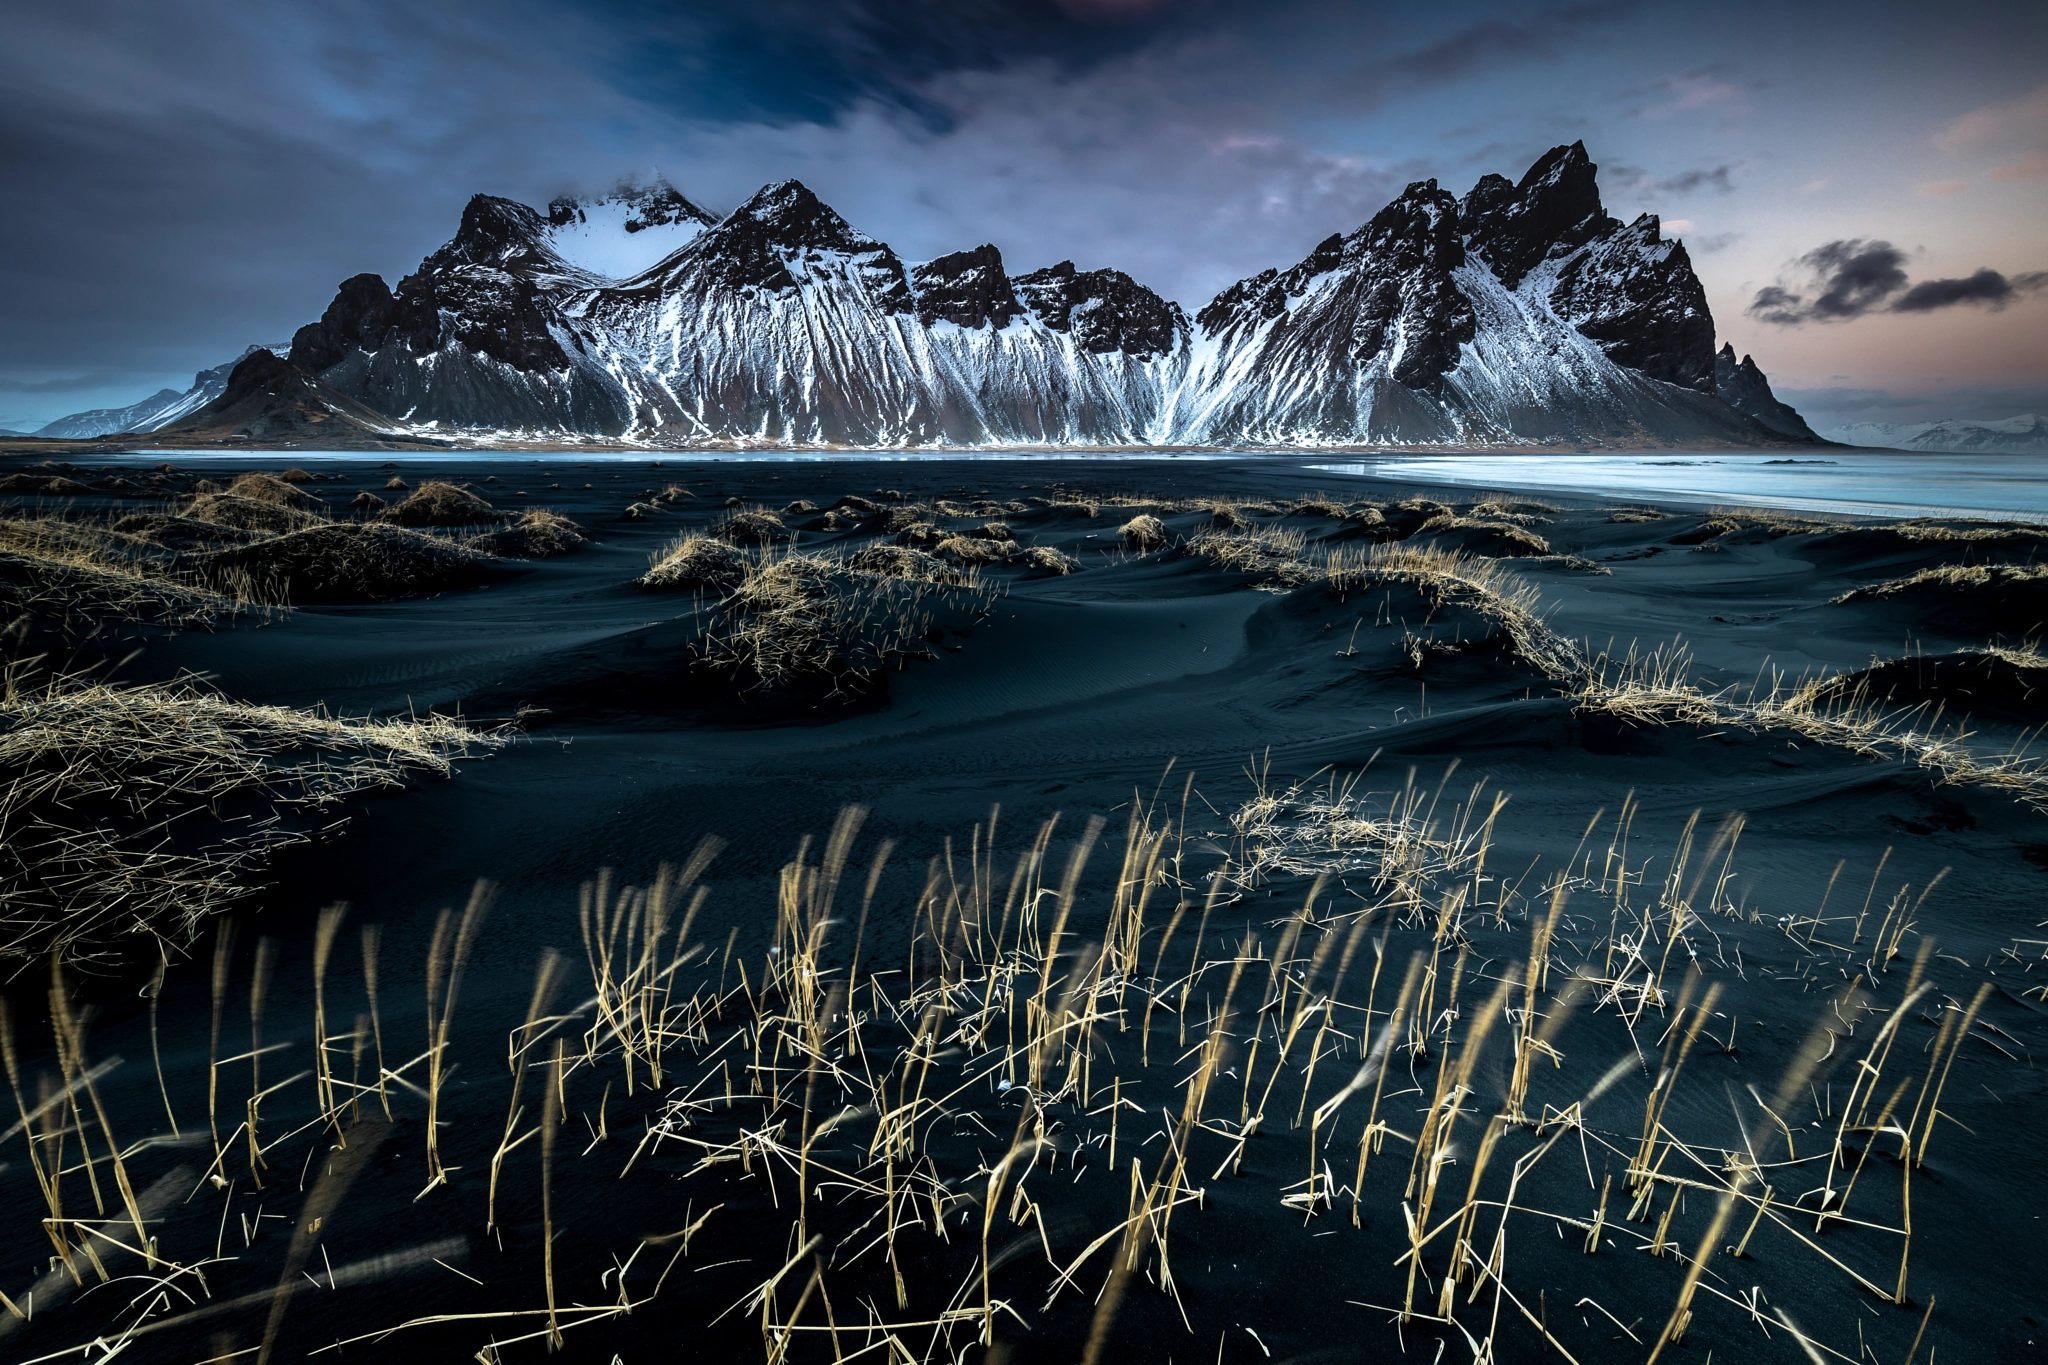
966 288
1743 387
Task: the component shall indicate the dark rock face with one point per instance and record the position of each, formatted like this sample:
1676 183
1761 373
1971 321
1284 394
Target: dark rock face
358 317
1554 210
765 237
1744 388
268 396
967 288
1106 310
1636 295
1384 292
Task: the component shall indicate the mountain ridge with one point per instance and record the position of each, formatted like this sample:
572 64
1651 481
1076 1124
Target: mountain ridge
1521 314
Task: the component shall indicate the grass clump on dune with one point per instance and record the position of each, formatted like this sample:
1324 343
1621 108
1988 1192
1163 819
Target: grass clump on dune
130 811
901 561
751 526
60 569
440 504
1495 537
1655 687
355 562
1988 580
257 515
696 562
539 534
1143 532
794 617
280 492
1276 553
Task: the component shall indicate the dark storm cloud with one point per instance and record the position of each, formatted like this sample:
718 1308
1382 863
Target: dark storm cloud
1845 279
1987 287
187 179
1849 278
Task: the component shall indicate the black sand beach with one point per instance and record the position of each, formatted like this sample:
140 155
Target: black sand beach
1748 788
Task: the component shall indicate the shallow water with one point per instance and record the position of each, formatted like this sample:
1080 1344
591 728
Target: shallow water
2001 487
1865 483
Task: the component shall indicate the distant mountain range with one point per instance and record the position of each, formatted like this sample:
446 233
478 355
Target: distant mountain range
1519 315
161 409
2024 435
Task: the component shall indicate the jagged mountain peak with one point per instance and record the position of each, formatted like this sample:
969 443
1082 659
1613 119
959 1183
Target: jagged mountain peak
500 233
1105 310
966 288
788 215
1553 210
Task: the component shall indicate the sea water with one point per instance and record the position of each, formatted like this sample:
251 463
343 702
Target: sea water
1862 483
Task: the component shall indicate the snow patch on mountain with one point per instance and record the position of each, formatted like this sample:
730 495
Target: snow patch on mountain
626 232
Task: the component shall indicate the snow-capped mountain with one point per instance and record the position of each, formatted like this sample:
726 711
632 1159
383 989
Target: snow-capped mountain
2023 435
161 409
1521 314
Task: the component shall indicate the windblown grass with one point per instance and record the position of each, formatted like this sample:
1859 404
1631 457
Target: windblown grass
879 1144
148 810
440 504
695 561
796 616
1655 687
538 534
348 562
82 572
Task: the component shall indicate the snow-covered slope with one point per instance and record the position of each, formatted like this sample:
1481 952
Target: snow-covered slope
1521 314
630 230
155 412
2023 435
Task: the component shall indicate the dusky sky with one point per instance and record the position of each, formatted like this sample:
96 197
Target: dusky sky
1862 186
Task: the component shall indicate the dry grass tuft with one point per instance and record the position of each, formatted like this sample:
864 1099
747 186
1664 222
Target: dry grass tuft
538 534
996 530
1971 579
441 504
250 514
1624 515
751 526
1498 538
1275 553
260 487
973 551
1451 578
147 810
1043 561
83 572
799 616
898 561
696 562
349 563
1143 532
1655 687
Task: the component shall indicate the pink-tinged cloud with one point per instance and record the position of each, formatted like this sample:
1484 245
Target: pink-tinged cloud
2034 167
1678 225
2023 121
1937 189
